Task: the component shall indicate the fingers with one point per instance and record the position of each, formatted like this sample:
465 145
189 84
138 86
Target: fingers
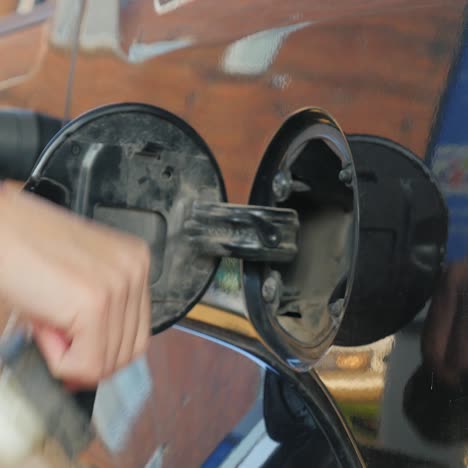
144 324
132 313
116 326
81 361
143 328
111 328
52 343
84 360
76 277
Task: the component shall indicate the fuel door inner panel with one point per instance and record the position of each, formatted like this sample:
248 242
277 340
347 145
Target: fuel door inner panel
342 241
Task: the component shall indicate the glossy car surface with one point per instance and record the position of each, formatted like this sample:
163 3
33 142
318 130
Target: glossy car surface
235 71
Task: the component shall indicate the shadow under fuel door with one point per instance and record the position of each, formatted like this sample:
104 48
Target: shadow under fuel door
325 215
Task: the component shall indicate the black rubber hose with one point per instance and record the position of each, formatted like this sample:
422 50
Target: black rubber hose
23 136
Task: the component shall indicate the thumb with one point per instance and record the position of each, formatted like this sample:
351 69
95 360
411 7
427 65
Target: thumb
54 346
52 343
63 356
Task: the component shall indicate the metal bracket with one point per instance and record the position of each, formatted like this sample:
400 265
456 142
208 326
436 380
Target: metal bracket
254 233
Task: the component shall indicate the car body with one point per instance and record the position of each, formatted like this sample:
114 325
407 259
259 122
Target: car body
235 72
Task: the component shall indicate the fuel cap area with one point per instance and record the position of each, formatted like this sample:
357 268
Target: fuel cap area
371 241
298 307
137 168
342 241
143 170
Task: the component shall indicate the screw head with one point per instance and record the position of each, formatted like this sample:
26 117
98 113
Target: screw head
336 308
270 289
273 239
281 186
346 175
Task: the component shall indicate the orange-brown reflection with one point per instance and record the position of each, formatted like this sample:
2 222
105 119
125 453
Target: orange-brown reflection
8 6
237 115
200 391
379 73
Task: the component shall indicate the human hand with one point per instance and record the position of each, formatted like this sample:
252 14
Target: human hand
82 285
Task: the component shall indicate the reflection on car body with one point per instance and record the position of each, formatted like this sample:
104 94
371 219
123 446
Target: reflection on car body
235 71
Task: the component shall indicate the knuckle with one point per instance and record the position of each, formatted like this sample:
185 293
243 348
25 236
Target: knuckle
91 370
135 261
87 372
96 299
140 350
123 361
120 284
141 345
142 254
107 372
92 375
